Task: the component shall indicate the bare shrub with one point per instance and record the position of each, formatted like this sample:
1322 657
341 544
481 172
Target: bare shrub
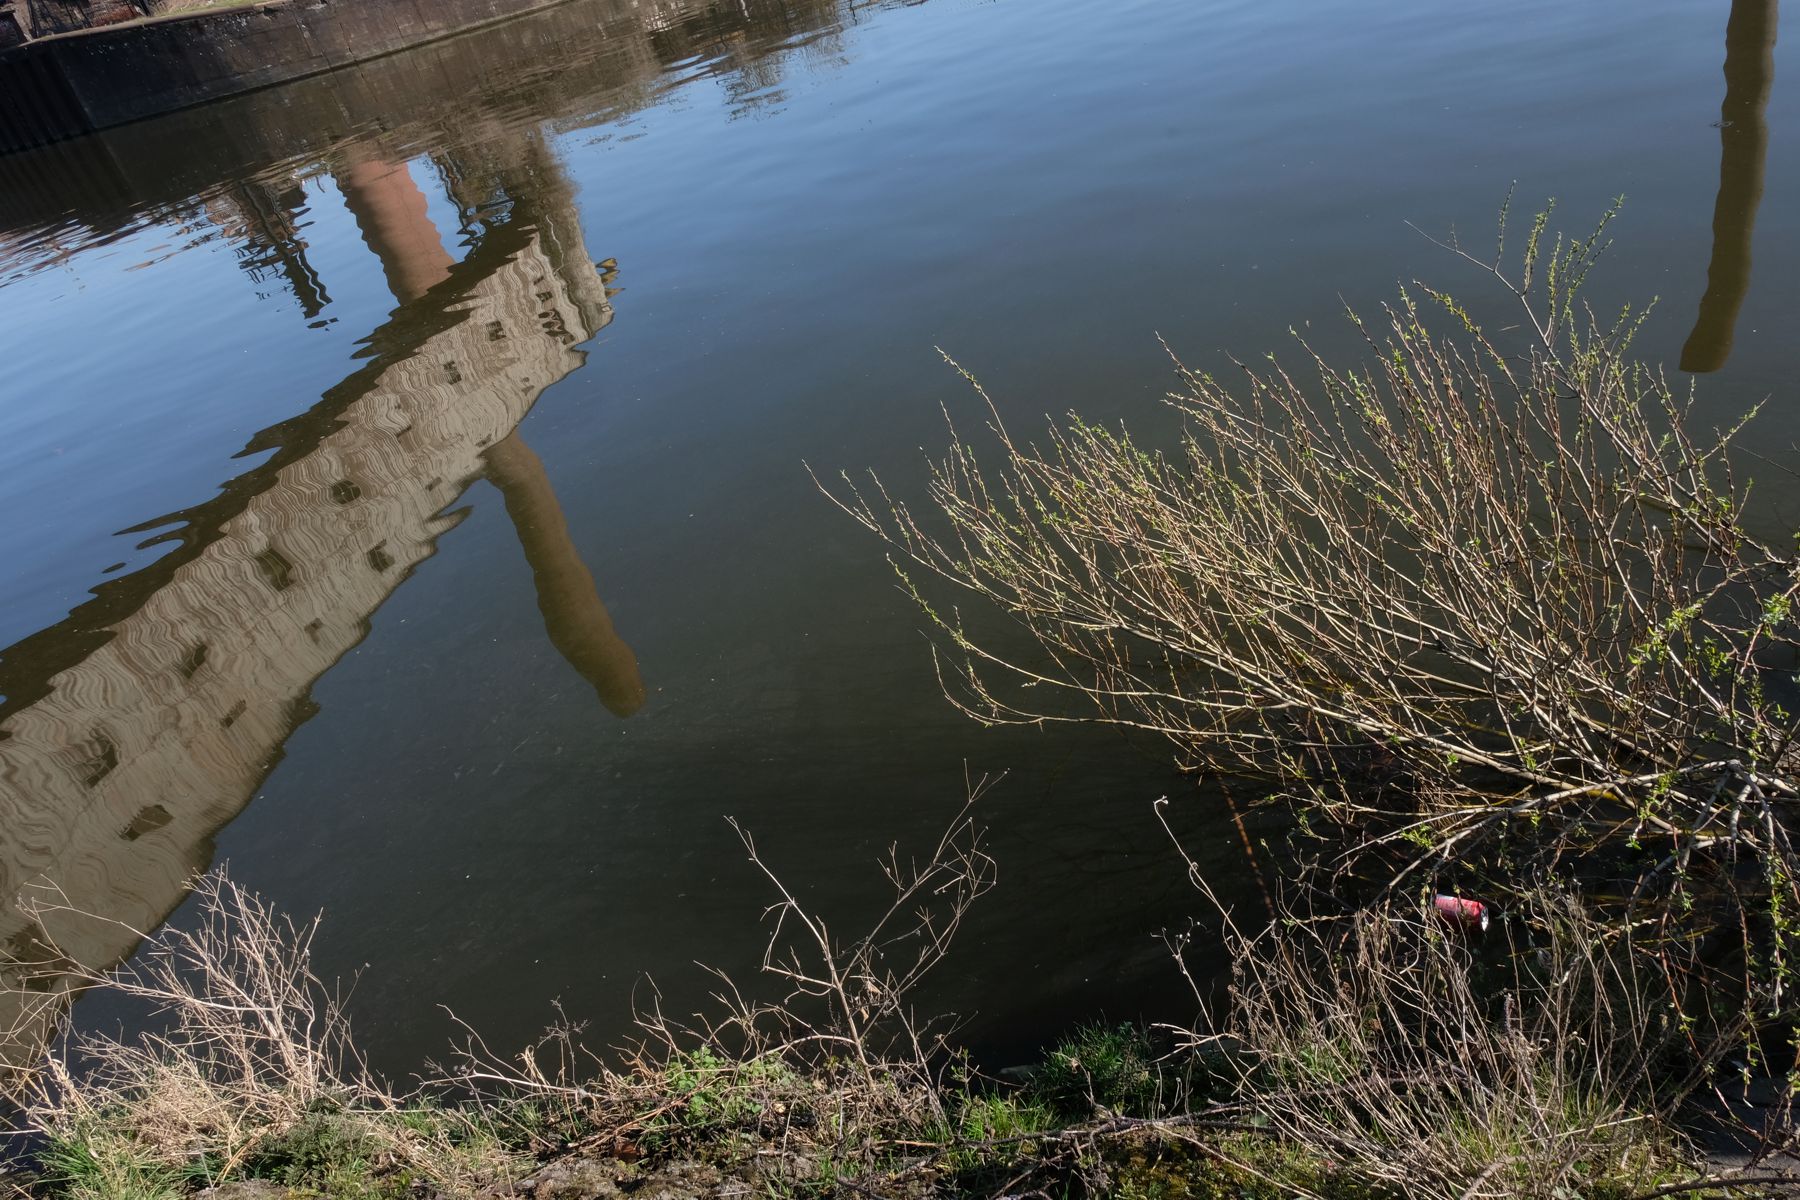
1488 601
1520 573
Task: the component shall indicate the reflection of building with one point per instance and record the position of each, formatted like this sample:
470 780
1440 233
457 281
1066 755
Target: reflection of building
131 733
132 730
261 221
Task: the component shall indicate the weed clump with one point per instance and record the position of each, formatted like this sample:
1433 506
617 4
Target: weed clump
1104 1069
1344 1080
1483 610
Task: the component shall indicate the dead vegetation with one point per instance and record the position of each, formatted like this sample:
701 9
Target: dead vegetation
1545 1063
1371 1054
243 1067
242 1049
1477 612
1482 611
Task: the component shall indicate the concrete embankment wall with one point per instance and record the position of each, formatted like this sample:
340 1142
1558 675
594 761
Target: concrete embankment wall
60 87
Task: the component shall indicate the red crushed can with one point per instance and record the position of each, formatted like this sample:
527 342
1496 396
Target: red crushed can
1467 914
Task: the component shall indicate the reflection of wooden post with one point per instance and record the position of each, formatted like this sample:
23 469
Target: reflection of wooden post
573 616
390 210
1744 145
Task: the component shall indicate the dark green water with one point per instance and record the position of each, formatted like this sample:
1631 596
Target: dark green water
454 408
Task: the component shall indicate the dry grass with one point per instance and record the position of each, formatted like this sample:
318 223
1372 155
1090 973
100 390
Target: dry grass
842 1015
245 1067
242 1045
1360 1056
1383 1040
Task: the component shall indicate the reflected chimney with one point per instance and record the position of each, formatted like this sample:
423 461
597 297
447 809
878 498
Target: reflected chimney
574 617
390 211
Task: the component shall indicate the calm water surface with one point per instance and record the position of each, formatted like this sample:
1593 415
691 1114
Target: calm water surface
404 468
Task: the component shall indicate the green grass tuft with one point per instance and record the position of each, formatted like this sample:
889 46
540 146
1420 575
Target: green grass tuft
1108 1067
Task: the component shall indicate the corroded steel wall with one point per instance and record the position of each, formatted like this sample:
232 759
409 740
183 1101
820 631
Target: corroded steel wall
57 87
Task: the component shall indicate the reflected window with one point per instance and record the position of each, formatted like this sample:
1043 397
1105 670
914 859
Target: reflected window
149 819
276 569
